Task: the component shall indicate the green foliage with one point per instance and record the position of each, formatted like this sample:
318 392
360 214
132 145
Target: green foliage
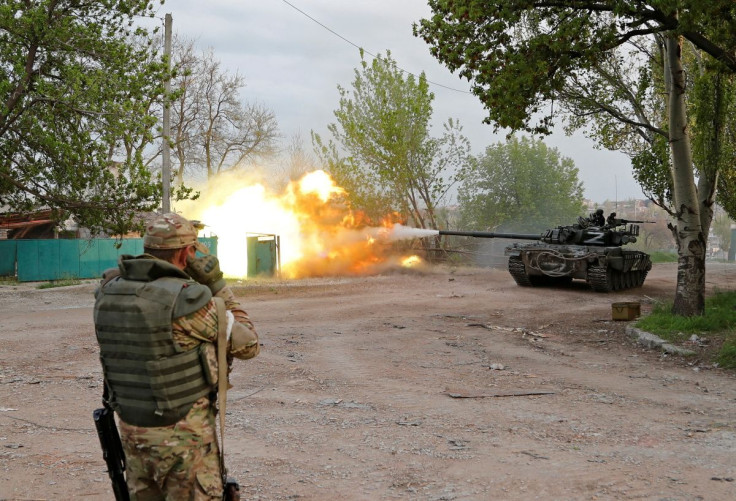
521 185
381 149
651 170
522 53
714 144
74 90
719 318
721 228
718 324
603 74
663 257
727 356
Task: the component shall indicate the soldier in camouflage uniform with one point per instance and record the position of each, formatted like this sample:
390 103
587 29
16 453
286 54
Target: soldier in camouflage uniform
157 326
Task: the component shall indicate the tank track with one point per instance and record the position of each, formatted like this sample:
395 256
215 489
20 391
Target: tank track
518 271
602 279
599 279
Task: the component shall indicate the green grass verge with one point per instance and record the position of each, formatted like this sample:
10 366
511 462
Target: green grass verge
59 283
718 325
727 355
663 257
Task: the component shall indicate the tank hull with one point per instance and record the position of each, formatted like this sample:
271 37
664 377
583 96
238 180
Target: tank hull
605 269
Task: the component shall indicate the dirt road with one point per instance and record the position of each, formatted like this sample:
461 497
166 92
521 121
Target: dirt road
357 394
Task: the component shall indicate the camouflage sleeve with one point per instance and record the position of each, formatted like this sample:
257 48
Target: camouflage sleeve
244 338
195 328
201 326
235 307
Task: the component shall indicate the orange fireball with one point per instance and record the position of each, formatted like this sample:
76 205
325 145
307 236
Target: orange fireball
320 234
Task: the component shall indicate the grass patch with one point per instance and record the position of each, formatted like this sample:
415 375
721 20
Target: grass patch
727 355
65 282
663 257
8 281
718 325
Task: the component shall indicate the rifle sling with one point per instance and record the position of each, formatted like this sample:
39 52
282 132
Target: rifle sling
222 376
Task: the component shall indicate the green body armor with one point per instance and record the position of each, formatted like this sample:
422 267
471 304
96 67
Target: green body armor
150 381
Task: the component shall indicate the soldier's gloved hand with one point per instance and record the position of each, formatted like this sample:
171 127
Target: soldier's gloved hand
206 271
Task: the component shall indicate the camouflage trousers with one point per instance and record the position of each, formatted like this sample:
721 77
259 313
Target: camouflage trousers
174 463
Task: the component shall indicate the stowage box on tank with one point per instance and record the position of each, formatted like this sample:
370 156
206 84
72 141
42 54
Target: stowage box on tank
585 250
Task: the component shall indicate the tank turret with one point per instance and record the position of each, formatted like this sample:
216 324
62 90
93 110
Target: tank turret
586 250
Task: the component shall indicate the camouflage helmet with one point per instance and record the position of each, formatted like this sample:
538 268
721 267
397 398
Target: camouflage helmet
172 231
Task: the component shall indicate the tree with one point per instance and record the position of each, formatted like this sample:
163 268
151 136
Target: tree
521 185
297 161
525 54
212 130
73 86
722 231
390 160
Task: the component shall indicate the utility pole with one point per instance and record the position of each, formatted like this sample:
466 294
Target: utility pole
166 167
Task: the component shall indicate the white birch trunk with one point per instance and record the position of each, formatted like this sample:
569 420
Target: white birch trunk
690 290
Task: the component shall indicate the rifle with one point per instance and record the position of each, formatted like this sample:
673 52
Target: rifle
112 450
232 490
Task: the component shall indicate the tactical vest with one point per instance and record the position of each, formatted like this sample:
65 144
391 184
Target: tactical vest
150 380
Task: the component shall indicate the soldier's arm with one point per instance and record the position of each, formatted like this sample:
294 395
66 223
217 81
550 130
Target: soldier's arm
243 338
202 325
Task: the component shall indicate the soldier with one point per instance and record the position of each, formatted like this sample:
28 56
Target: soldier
597 218
157 326
612 221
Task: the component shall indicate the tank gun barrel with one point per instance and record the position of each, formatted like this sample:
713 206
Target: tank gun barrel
487 234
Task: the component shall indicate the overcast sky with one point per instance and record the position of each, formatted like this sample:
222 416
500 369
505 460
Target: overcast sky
293 65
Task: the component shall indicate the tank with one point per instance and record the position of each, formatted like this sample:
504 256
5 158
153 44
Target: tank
583 251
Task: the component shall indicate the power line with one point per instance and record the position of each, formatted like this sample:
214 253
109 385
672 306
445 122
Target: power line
364 50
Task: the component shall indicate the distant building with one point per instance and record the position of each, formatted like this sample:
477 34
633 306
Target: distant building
38 224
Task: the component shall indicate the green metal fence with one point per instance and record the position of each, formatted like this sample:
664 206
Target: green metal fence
39 260
7 257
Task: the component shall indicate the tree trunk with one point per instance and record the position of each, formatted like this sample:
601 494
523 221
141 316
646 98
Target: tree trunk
690 290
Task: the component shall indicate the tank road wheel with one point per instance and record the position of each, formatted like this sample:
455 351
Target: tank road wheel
623 280
614 279
600 279
634 279
518 272
638 279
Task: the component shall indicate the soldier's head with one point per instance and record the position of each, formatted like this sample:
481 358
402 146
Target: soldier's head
599 212
172 238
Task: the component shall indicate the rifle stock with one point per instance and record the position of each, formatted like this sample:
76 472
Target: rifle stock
232 490
112 451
